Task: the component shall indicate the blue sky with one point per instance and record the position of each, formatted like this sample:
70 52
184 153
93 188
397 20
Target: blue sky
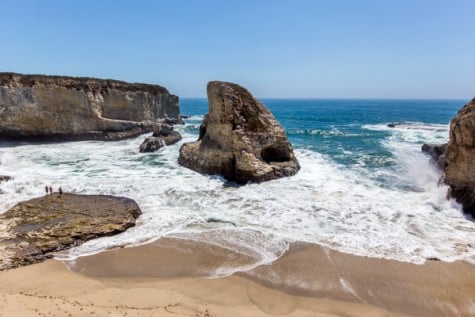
319 48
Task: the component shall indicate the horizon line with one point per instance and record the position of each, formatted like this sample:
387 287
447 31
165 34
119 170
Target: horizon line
350 98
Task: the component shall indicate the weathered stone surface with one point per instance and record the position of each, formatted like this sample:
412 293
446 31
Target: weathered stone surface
239 139
151 144
163 134
460 166
31 230
56 107
437 153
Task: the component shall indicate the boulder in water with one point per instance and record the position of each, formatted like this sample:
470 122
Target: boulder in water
239 139
163 134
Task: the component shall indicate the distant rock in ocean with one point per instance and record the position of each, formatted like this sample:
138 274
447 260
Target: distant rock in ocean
33 229
57 107
460 164
239 139
163 134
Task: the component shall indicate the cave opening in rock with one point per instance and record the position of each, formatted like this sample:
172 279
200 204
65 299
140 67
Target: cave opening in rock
278 153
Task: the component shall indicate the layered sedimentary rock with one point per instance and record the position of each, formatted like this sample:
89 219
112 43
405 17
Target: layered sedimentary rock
33 229
80 108
460 162
163 134
239 139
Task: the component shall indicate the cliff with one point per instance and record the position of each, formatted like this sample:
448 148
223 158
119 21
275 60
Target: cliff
460 158
58 107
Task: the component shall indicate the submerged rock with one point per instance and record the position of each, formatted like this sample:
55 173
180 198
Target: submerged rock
56 107
460 164
239 139
163 134
32 230
4 178
437 153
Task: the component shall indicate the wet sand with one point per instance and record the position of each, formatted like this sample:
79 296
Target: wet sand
168 278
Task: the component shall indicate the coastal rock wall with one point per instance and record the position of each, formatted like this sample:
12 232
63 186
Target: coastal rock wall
460 162
80 108
239 139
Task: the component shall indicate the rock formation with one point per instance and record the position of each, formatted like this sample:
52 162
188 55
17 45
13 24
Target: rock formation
437 153
33 229
56 107
460 163
4 178
239 139
163 134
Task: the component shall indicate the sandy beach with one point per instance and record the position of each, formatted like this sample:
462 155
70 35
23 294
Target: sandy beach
170 278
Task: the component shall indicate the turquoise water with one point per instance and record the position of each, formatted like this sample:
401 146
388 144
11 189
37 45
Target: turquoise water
363 188
354 133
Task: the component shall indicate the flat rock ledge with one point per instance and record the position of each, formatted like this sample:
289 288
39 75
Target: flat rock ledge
32 230
239 139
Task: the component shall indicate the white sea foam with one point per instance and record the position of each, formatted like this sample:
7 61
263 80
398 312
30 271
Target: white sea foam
324 203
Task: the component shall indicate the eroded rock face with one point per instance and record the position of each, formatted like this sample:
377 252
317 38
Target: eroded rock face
31 230
437 152
56 107
239 139
163 134
460 166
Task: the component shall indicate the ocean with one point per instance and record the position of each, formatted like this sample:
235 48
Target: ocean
364 188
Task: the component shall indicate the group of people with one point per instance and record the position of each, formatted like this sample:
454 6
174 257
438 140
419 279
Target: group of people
49 190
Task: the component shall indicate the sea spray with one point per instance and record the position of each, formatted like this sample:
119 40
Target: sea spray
367 190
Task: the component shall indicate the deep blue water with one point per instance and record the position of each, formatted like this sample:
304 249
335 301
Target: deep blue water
353 132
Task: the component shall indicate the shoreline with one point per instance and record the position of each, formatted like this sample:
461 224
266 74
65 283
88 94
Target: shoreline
308 280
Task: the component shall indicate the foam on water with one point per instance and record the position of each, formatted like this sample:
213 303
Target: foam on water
337 206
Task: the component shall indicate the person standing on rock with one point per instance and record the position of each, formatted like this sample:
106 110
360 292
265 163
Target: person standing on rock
60 190
50 189
46 189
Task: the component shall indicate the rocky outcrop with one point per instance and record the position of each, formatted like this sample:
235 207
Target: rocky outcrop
31 230
437 153
56 107
163 134
460 164
239 139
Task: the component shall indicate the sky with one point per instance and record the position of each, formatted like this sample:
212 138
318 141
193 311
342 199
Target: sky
275 48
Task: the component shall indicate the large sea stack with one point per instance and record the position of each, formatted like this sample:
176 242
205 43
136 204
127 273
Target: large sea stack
57 107
460 158
239 139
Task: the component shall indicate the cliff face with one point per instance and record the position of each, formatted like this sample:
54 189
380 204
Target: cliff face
460 162
80 108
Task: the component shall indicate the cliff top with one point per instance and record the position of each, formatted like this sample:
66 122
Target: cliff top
77 83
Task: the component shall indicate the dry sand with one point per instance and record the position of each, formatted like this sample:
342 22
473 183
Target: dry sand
166 278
